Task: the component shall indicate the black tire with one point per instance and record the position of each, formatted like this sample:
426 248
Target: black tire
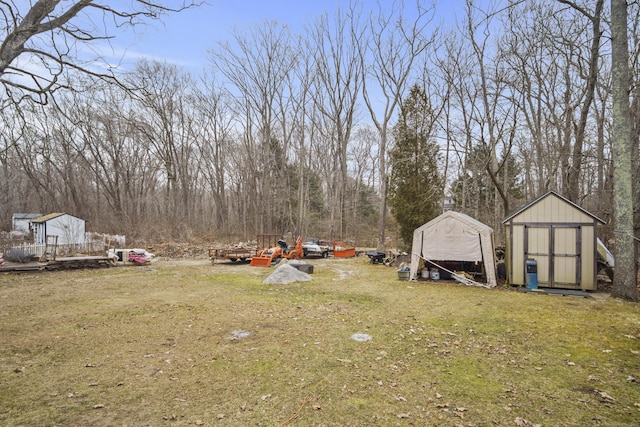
325 254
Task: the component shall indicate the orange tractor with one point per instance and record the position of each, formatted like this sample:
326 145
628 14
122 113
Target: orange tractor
276 253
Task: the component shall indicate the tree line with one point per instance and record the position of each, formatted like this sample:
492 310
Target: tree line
303 132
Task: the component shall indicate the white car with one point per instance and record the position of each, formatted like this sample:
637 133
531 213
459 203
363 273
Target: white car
312 247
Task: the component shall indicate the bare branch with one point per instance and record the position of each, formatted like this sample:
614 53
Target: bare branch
45 17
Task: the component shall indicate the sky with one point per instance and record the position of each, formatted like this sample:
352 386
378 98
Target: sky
184 38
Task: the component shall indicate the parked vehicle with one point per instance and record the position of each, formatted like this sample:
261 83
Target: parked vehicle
313 247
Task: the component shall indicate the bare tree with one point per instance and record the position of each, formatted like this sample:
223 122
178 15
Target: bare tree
363 159
257 66
494 115
50 154
164 122
15 191
536 70
122 168
48 32
573 171
395 43
215 119
625 284
455 69
337 86
634 61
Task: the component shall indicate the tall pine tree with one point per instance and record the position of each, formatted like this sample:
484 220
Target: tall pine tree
415 184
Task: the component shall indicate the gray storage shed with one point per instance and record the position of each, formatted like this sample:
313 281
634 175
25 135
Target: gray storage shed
560 236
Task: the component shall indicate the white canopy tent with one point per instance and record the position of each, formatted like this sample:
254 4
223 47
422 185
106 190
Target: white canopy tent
454 236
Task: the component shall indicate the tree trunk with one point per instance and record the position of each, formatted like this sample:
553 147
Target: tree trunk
625 281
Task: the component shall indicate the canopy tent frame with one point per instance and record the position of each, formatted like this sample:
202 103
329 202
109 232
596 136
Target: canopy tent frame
457 237
459 277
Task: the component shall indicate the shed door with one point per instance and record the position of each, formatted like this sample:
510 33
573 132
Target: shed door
556 250
538 247
566 256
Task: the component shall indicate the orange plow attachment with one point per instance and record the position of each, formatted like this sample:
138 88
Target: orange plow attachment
343 250
260 261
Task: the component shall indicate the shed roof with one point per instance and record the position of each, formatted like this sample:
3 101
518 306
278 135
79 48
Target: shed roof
545 195
26 215
51 216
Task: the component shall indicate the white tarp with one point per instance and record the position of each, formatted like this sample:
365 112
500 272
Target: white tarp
454 236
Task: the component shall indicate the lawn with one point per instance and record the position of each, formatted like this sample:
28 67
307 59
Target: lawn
187 343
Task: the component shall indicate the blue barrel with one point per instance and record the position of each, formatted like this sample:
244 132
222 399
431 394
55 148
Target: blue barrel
532 273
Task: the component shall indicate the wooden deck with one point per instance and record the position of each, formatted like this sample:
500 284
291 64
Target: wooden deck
11 267
80 262
61 263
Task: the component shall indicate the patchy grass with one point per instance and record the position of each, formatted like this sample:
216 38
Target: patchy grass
155 346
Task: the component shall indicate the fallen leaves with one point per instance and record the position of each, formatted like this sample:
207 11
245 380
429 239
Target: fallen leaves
521 422
459 412
440 374
605 397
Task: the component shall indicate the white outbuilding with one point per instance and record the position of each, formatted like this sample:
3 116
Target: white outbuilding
21 222
455 240
69 229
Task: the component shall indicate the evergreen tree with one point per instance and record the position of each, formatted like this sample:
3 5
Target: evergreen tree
475 194
415 183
